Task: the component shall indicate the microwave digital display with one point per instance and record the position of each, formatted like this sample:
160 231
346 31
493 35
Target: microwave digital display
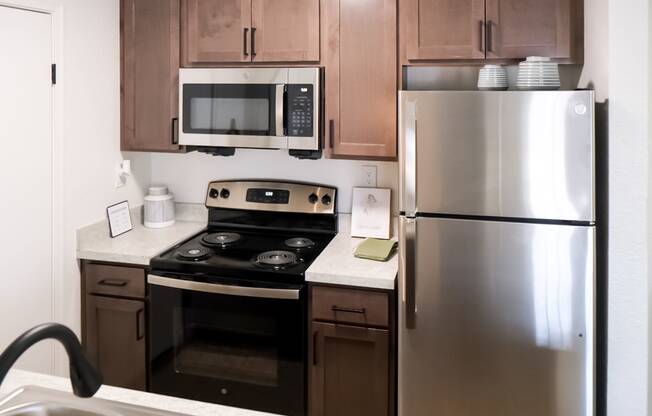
268 196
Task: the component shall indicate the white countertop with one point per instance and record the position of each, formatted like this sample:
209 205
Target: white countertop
140 244
18 378
337 265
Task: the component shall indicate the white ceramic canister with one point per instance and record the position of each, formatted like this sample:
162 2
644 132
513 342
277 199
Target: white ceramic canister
159 208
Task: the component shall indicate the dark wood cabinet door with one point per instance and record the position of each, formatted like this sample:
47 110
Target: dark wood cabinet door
360 57
350 371
149 74
521 28
215 31
445 29
285 30
115 340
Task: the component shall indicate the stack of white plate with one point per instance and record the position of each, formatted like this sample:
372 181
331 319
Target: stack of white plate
492 78
538 73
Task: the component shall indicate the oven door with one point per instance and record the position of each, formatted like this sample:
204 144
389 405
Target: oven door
232 107
242 346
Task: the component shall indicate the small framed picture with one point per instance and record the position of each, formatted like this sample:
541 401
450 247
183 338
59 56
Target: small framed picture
119 218
370 215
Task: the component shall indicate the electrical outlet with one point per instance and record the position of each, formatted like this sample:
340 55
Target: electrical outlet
369 173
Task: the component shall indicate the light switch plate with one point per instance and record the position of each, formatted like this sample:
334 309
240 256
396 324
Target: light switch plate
369 176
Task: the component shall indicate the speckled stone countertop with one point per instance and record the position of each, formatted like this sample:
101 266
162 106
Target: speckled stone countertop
337 265
140 244
18 378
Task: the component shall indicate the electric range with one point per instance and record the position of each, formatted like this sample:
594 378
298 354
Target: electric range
228 306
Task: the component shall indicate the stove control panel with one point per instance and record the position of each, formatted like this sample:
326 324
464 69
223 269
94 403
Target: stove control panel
272 196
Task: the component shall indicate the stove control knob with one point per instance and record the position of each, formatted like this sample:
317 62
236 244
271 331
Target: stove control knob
313 198
213 193
224 193
326 199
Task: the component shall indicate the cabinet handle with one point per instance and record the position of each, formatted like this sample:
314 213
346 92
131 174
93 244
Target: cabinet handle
490 36
112 282
175 131
361 311
315 336
253 41
244 42
331 132
483 33
140 324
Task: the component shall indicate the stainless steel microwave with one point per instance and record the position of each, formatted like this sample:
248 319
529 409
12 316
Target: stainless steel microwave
271 108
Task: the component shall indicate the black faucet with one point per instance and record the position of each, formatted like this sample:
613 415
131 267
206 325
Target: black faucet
86 380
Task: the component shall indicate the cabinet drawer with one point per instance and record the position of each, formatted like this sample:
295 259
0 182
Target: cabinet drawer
102 279
350 306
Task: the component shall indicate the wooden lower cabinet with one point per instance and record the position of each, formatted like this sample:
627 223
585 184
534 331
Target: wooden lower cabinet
115 340
114 332
350 371
352 352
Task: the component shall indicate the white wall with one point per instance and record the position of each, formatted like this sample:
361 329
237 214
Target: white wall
187 175
629 209
90 80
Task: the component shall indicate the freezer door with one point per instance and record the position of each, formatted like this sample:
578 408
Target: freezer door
520 154
501 322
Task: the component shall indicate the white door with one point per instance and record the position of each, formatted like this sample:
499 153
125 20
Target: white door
26 174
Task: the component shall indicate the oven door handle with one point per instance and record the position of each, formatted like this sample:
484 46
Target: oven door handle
280 109
231 290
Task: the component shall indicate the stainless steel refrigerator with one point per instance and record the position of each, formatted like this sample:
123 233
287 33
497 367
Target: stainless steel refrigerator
497 246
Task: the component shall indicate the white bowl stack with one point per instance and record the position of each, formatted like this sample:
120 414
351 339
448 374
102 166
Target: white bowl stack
538 73
492 78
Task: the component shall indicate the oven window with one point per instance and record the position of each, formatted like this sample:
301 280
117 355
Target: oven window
232 109
229 346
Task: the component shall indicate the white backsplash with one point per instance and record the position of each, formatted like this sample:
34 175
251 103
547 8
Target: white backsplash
187 175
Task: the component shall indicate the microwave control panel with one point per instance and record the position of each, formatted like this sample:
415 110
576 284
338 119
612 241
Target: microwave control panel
300 110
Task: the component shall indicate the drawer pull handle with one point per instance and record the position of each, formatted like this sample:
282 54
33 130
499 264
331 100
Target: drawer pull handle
315 341
361 311
113 282
140 324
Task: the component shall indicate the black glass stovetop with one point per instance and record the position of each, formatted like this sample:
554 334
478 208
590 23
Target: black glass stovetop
276 256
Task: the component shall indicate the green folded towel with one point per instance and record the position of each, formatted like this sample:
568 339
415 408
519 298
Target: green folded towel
375 249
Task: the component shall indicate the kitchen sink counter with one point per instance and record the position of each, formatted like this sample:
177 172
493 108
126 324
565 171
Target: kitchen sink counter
139 245
338 266
18 378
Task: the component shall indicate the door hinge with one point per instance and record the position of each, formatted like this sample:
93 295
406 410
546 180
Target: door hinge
54 74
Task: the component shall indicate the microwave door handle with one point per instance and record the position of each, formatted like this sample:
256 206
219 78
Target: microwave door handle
280 109
221 289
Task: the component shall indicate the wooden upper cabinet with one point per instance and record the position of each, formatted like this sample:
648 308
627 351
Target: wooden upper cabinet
445 29
215 31
360 59
520 28
149 74
235 31
285 30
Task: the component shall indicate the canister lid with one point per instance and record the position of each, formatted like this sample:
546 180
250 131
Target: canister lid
158 190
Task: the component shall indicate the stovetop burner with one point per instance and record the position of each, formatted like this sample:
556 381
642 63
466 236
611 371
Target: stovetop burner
194 253
258 232
299 242
221 239
277 259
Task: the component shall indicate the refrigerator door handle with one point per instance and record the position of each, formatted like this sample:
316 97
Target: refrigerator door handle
407 269
410 160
